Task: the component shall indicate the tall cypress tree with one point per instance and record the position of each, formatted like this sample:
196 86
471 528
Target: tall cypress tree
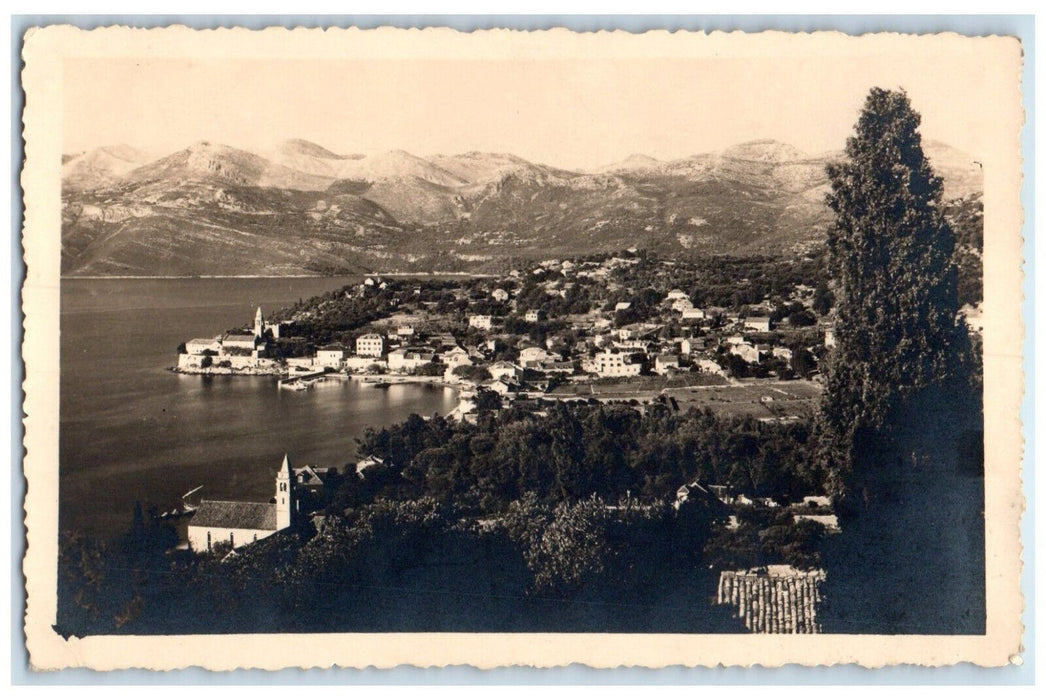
891 257
900 424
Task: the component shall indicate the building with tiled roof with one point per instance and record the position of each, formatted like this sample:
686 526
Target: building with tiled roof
241 522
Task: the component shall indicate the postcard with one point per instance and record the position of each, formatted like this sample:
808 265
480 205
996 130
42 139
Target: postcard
378 347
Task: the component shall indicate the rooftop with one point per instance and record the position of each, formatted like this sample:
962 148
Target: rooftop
235 515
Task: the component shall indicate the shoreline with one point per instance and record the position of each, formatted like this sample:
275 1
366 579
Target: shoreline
281 374
401 379
225 372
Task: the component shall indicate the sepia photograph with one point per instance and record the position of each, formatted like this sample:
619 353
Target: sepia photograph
521 336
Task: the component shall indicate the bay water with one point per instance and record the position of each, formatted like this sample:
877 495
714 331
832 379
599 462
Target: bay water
132 430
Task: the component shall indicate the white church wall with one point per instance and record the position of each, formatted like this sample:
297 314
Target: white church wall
240 537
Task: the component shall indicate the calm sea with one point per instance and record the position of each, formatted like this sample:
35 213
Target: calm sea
133 430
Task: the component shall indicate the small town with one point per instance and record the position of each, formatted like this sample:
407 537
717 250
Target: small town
623 328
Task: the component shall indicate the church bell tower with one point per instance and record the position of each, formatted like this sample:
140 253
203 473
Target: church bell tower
259 324
284 495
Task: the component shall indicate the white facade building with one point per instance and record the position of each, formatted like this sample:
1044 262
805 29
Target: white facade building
534 354
455 357
663 364
406 359
480 321
746 352
503 370
682 305
693 314
758 323
370 345
612 364
330 356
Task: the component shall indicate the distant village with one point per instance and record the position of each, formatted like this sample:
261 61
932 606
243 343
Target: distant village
608 329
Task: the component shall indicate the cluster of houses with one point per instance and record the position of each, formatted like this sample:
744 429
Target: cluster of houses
248 351
491 329
816 509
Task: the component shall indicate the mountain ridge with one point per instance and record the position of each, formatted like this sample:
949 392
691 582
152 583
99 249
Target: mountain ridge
302 208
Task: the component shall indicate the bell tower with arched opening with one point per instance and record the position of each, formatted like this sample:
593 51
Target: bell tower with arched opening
284 494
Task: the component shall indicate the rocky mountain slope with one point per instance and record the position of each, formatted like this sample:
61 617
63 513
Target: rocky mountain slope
299 208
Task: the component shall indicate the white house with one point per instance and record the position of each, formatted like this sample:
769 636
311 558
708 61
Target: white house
240 523
406 359
405 331
829 522
675 295
480 321
499 294
710 366
370 345
782 353
682 305
693 314
532 354
665 363
533 316
330 356
455 357
688 346
746 352
360 364
503 370
502 387
301 364
758 323
622 306
612 364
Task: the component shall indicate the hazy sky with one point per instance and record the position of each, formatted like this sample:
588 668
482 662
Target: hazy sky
581 113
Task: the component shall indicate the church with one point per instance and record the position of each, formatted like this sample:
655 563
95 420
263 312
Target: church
240 523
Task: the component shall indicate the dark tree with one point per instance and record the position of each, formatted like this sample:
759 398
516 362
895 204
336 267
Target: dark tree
902 398
890 253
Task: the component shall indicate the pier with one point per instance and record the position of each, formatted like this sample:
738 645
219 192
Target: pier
301 380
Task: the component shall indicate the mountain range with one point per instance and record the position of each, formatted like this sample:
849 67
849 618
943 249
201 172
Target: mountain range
299 208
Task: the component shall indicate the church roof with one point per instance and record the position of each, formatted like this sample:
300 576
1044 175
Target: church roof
235 515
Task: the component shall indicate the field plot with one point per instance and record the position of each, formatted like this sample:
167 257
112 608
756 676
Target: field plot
776 400
640 388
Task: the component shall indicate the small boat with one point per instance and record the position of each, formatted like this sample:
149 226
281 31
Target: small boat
178 512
